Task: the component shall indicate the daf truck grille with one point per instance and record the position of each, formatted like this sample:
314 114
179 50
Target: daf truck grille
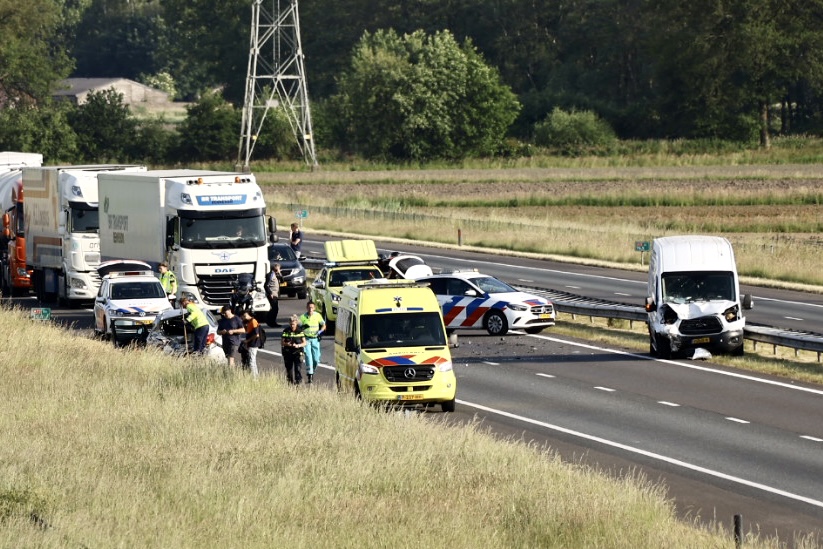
705 325
408 374
216 289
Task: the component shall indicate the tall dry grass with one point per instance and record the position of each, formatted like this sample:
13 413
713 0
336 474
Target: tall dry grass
115 448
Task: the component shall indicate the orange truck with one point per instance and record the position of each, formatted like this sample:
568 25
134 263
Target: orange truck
15 278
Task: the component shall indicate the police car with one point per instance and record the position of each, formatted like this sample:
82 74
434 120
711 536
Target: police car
471 300
129 298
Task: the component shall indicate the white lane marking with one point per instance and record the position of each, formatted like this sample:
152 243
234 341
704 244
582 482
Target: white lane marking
621 293
813 439
648 454
524 280
491 363
667 403
545 375
573 287
607 389
792 318
737 420
682 364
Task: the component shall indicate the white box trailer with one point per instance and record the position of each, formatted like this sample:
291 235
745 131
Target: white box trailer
61 229
694 296
209 226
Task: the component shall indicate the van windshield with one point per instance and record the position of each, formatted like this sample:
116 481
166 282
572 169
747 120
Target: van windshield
401 330
688 287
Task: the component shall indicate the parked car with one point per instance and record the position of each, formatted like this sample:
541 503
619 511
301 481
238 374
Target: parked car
471 300
294 275
174 336
129 298
400 265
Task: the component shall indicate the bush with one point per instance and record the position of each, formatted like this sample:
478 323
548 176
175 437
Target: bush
574 133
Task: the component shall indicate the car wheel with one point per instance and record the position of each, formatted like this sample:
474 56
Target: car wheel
533 330
495 323
664 347
448 406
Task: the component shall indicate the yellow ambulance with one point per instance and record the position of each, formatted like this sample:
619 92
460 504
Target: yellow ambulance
390 345
346 261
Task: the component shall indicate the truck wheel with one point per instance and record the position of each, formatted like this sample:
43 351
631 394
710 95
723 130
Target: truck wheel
448 406
495 323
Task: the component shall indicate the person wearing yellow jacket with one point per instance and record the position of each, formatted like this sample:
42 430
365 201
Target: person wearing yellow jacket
197 318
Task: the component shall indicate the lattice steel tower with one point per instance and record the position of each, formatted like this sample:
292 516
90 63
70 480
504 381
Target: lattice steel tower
276 78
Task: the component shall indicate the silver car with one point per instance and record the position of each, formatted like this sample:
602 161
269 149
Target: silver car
176 337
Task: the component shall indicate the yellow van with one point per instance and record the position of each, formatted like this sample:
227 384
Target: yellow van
390 345
346 261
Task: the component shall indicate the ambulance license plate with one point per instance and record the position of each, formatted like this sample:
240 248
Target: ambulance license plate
409 397
698 340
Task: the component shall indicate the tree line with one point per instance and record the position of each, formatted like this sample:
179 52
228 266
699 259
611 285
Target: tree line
418 79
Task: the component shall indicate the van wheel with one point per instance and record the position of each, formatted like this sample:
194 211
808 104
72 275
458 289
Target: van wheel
448 406
495 323
664 347
738 351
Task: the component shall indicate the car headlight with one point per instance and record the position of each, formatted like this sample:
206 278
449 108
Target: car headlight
445 367
518 307
368 369
732 313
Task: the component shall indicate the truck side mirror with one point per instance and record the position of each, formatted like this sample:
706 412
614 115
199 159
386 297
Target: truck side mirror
748 301
350 346
273 230
650 305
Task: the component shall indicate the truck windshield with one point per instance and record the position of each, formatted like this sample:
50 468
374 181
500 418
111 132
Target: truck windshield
245 232
84 220
698 286
401 330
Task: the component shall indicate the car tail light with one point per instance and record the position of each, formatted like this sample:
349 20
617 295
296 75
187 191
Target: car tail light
209 339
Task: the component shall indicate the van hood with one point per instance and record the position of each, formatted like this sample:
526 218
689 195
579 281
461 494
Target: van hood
697 309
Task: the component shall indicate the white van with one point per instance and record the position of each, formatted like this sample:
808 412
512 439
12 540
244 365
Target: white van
694 297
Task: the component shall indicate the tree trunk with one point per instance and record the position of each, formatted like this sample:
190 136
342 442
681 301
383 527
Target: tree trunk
764 125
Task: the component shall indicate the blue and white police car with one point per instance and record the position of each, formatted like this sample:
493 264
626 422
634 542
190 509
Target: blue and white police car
471 300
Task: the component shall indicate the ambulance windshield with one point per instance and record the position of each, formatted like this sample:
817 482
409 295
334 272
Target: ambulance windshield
401 330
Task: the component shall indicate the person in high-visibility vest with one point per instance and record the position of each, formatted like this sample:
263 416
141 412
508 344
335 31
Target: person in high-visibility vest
197 318
313 327
168 281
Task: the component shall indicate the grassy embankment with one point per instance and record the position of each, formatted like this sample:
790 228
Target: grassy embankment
103 448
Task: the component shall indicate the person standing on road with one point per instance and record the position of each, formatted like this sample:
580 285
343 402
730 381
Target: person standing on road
292 343
251 343
197 318
230 326
313 326
296 239
273 280
168 281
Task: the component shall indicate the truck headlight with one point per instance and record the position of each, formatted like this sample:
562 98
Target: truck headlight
78 283
21 271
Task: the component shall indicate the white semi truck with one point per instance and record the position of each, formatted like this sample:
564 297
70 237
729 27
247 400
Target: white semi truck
210 227
61 230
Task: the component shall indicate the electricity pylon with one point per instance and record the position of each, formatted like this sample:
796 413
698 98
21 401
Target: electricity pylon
276 78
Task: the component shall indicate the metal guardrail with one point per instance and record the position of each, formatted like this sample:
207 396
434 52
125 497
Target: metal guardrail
578 305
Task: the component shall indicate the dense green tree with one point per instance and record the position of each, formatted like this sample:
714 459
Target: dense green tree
105 128
30 62
210 131
419 97
42 129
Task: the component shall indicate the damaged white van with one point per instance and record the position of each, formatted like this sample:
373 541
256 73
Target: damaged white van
694 297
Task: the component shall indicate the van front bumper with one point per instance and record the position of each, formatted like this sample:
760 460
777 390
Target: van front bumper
725 342
441 388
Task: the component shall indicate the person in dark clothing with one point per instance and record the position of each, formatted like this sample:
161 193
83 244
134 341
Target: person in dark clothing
230 326
292 343
296 240
273 280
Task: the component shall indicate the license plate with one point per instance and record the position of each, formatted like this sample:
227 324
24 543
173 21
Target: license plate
697 340
409 397
546 316
282 284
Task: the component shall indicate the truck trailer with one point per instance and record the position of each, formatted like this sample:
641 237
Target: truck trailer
61 230
15 278
209 227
